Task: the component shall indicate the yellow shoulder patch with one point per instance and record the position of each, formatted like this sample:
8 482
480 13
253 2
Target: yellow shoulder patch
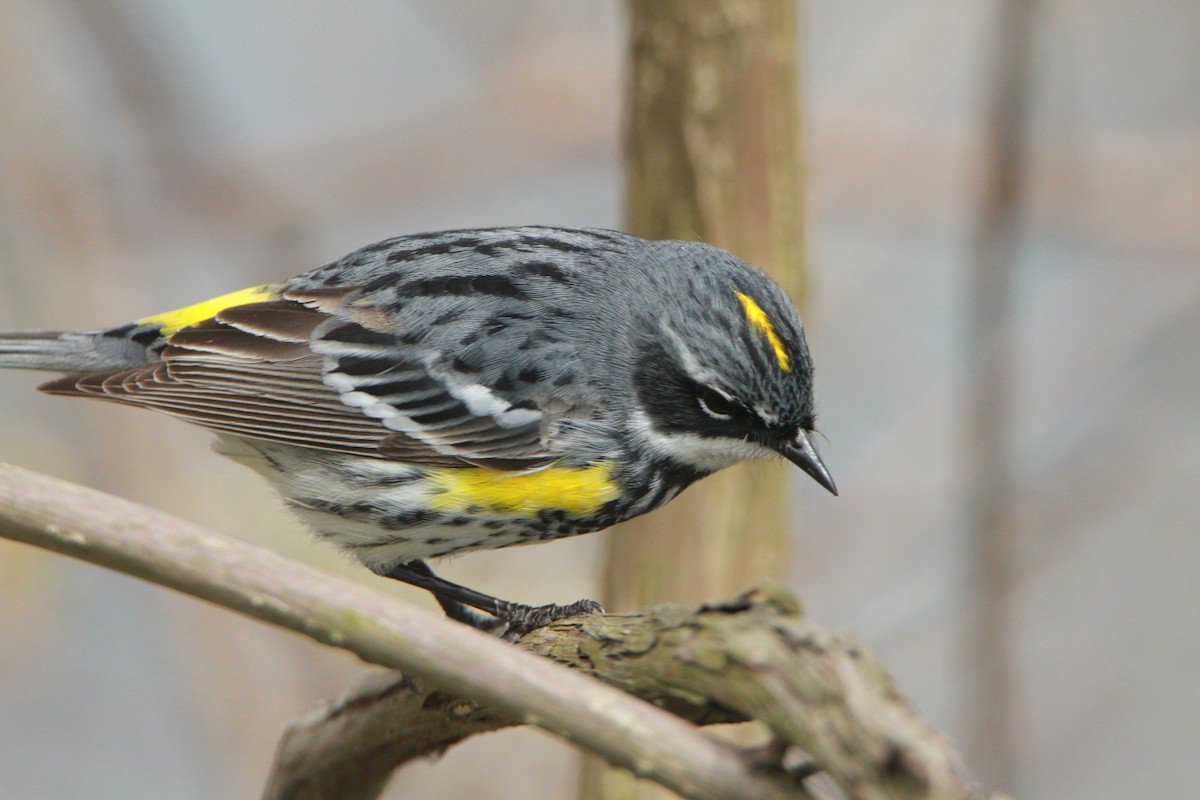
578 490
172 321
760 322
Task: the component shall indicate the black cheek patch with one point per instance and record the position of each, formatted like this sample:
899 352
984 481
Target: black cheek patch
665 394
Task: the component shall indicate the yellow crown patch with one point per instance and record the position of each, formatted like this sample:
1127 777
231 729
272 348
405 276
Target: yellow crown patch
760 322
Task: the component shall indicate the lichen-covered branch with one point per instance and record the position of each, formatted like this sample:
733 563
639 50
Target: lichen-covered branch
349 748
345 750
753 657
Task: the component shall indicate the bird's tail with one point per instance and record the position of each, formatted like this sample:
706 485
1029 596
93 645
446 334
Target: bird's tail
70 351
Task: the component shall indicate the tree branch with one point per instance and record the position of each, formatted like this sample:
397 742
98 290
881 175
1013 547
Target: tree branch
754 657
349 748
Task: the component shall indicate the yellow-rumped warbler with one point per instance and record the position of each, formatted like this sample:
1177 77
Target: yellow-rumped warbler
472 389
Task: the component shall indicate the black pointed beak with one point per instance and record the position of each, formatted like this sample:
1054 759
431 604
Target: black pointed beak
800 451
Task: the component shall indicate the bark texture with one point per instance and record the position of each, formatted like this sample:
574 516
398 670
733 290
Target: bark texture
828 704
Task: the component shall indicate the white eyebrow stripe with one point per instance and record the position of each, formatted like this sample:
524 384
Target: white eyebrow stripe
695 371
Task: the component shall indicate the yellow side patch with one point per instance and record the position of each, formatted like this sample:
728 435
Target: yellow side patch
172 321
762 323
578 490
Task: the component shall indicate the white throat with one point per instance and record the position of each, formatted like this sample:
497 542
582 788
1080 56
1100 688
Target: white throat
703 453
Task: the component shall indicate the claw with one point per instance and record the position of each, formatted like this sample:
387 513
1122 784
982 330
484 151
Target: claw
522 619
511 620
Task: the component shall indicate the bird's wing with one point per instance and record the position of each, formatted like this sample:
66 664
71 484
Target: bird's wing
316 369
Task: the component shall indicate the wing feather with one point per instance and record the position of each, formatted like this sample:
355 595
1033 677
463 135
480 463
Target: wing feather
301 371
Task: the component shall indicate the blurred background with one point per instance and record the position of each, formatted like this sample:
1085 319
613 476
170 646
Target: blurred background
1005 293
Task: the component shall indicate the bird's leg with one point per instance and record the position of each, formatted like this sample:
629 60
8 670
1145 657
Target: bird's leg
457 601
454 609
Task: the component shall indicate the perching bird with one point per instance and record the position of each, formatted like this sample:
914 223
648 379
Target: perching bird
473 389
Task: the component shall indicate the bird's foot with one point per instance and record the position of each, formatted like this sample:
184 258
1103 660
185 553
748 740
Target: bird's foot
521 619
511 621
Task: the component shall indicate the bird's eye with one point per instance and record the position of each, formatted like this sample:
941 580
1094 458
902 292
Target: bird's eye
717 404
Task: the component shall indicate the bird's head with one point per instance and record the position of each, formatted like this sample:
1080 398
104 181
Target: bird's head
722 370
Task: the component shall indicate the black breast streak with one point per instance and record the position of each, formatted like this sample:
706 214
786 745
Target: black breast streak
406 519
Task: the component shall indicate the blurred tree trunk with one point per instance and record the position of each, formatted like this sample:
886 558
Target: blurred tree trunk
712 152
991 334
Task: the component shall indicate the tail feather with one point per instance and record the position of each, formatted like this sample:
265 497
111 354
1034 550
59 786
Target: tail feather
69 351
